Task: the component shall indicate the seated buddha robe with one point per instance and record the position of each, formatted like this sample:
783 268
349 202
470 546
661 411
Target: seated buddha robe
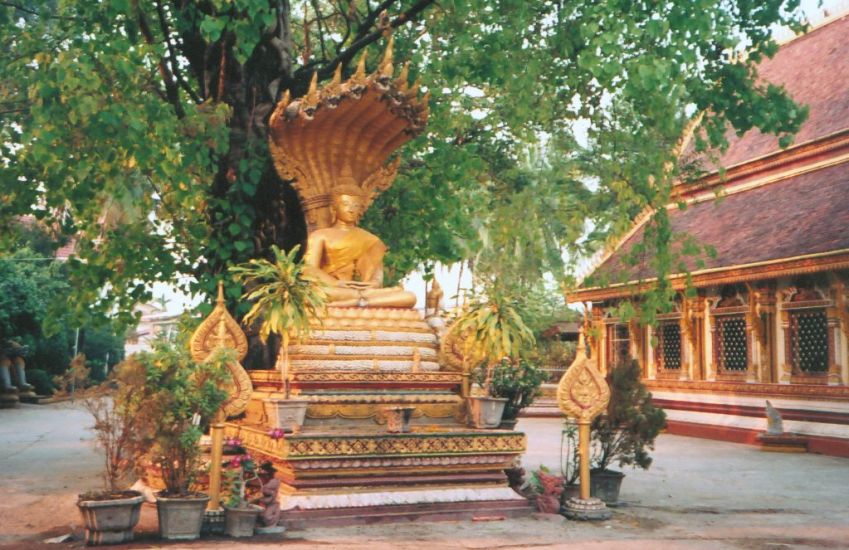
350 261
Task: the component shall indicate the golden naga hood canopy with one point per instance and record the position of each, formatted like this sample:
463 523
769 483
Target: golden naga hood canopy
344 133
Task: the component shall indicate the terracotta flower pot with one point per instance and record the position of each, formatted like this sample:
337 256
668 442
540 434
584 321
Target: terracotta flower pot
286 414
110 520
181 518
486 412
241 522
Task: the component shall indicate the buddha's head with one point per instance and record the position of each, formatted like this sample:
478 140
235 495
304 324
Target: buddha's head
349 202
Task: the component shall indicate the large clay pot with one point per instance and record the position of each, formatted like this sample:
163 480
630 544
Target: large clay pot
605 485
486 412
286 414
110 520
181 518
241 522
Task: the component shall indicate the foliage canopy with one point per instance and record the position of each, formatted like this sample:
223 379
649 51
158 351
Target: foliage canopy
139 127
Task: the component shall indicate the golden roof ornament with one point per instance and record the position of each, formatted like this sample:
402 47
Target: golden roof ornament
220 330
582 392
344 133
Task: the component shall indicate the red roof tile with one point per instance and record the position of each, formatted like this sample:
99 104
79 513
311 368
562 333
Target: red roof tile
814 69
803 215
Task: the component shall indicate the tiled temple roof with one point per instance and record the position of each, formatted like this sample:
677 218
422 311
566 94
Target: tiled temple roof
802 215
814 69
791 216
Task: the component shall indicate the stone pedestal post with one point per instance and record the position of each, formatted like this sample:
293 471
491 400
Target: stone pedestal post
26 391
9 396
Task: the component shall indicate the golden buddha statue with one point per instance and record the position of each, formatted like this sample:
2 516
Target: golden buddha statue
349 259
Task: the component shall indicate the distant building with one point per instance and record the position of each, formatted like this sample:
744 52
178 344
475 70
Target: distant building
770 318
155 321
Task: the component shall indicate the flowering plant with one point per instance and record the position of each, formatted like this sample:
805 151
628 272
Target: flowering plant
241 470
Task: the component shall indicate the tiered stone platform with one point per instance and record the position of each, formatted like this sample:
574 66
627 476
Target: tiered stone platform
357 363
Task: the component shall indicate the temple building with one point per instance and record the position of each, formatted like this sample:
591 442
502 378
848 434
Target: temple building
769 318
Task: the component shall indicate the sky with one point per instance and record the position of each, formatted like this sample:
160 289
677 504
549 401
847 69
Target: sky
449 278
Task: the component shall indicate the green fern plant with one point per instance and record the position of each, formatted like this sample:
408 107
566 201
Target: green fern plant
284 299
497 332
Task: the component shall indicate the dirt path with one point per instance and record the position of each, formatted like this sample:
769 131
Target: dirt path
698 495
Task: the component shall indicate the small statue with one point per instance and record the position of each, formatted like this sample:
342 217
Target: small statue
270 515
433 299
552 487
350 259
773 419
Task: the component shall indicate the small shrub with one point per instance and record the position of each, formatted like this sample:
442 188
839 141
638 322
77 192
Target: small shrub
627 432
41 380
520 384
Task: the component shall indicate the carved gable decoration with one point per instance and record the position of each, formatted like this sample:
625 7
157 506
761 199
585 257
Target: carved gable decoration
582 392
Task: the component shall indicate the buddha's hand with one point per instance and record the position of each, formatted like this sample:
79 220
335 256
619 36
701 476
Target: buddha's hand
358 285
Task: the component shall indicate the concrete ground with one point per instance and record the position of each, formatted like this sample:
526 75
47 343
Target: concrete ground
697 494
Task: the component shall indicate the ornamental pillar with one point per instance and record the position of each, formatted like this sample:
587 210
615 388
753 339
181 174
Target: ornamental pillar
651 371
785 350
838 331
710 339
755 335
688 336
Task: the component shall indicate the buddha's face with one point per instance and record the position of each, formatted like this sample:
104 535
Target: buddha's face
349 208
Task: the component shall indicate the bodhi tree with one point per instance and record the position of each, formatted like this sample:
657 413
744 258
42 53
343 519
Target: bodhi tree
139 126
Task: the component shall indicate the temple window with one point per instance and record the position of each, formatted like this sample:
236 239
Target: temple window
619 348
731 344
669 346
809 341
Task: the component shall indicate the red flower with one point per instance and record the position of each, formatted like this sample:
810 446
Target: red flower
276 434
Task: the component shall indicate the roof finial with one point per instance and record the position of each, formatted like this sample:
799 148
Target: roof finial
220 300
313 83
401 81
582 346
386 67
361 66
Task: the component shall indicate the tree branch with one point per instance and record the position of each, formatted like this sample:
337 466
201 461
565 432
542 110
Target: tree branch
369 38
171 90
172 54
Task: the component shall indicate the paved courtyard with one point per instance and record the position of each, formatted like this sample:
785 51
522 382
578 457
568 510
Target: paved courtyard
698 494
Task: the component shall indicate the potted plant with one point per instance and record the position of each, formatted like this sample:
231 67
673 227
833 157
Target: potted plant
498 332
626 433
520 384
173 397
241 469
110 515
240 515
284 298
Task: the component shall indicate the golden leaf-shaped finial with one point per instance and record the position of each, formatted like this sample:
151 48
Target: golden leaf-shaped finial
221 330
218 330
582 392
